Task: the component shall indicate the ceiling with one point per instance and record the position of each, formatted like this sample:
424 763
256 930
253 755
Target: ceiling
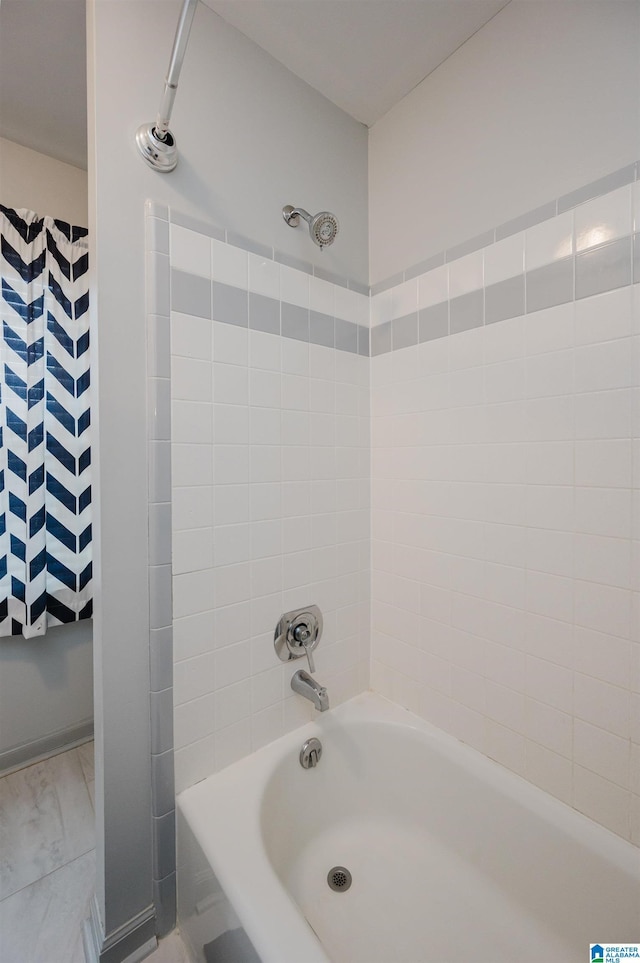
364 55
43 87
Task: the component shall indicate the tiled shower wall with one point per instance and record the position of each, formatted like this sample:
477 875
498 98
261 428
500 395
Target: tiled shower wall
505 474
270 490
505 503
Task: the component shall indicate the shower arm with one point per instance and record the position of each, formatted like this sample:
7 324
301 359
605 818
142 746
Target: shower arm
155 142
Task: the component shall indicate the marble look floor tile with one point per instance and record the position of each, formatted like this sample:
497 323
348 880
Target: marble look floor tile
86 757
46 820
170 950
42 923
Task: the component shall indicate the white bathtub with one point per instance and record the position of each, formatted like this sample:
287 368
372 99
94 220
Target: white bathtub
452 857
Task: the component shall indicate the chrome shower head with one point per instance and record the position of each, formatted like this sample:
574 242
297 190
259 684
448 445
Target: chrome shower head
323 227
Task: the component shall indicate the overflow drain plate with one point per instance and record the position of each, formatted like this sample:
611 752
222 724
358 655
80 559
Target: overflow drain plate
339 879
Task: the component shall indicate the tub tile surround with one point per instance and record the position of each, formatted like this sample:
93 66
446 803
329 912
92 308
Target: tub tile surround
505 553
259 394
504 579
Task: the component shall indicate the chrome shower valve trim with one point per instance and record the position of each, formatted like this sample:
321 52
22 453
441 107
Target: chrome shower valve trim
298 633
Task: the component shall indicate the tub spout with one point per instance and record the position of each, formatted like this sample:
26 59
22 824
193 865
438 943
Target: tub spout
305 685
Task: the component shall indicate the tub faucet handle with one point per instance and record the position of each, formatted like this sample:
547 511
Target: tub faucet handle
304 637
312 665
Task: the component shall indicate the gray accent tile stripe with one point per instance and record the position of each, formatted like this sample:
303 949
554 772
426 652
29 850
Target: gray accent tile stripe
468 247
321 329
433 322
626 175
194 224
466 312
294 322
190 294
550 285
404 331
521 223
346 333
604 268
230 304
264 313
248 244
363 341
504 300
381 339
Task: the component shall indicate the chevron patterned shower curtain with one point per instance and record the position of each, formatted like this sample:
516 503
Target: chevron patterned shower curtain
45 455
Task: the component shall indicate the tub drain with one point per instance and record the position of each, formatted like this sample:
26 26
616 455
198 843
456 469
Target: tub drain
339 879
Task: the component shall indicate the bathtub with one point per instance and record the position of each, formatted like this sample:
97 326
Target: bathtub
452 858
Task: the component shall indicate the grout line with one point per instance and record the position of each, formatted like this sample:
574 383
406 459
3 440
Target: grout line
47 875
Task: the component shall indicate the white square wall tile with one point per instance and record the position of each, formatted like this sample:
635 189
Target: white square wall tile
549 241
381 307
191 337
346 304
601 752
229 264
602 705
605 317
230 344
190 251
604 219
264 276
504 259
294 286
404 298
433 287
264 351
191 379
321 296
466 274
192 550
601 800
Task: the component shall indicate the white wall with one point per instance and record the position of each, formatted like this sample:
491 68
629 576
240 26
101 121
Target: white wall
540 101
252 138
42 184
46 691
46 685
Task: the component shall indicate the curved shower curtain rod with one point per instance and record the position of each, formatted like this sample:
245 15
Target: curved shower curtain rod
155 141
